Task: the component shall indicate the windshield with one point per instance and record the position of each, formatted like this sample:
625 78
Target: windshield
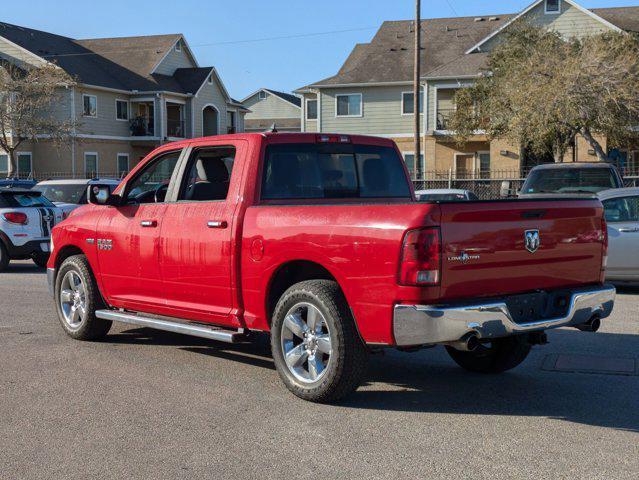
570 180
63 193
333 171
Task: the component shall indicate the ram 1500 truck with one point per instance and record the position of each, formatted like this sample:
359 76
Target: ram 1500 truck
318 239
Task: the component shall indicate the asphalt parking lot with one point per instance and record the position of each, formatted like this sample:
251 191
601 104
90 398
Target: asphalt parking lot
146 404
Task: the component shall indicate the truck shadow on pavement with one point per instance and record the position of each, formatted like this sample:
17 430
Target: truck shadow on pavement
428 381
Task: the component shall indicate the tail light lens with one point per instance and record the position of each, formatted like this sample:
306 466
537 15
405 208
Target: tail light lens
604 248
420 263
15 217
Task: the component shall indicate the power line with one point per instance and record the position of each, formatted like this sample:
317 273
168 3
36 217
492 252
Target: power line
214 44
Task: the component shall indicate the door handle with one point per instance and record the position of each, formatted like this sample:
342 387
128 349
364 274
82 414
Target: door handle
629 230
216 224
149 223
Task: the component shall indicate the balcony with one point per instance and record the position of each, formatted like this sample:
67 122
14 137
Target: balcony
175 128
443 118
142 127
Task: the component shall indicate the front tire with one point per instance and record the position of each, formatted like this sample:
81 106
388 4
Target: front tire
316 347
4 257
41 259
77 298
500 355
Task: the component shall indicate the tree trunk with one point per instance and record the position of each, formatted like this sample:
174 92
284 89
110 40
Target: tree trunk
601 155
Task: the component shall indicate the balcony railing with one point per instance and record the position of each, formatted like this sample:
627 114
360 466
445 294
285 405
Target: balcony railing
443 118
142 127
175 128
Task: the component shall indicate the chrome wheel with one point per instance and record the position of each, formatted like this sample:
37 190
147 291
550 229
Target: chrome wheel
73 300
306 342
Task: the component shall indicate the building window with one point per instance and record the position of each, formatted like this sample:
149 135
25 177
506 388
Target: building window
25 163
4 164
231 124
210 79
89 105
409 158
553 6
348 105
178 46
121 110
408 104
91 164
123 163
484 164
262 95
311 109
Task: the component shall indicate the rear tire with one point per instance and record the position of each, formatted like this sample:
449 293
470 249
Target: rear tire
77 298
502 355
41 259
316 347
4 257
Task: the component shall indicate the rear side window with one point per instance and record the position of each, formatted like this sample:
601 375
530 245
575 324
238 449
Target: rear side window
624 209
27 200
332 171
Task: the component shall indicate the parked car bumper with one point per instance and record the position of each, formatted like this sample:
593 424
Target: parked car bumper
431 325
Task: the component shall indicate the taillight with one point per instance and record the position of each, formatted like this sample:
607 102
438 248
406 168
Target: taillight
15 217
604 249
420 262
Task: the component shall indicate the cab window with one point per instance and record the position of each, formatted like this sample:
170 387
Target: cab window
152 182
208 175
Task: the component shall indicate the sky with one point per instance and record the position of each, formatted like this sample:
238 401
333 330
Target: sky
277 44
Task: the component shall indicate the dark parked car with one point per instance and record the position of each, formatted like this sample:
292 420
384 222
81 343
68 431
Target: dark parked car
17 183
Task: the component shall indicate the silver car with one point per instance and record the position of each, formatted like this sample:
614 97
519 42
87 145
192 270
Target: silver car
622 215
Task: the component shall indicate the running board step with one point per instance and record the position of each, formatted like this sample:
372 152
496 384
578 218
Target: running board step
228 336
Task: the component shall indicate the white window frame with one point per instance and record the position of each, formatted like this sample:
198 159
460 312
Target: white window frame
84 95
128 162
178 46
552 12
423 95
30 155
361 105
316 109
262 95
97 162
128 109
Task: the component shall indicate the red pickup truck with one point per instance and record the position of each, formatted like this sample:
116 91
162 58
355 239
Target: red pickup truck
318 239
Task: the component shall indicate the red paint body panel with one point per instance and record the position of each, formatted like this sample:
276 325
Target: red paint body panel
182 268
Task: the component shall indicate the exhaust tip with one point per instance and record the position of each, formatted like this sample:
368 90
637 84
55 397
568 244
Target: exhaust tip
472 343
591 325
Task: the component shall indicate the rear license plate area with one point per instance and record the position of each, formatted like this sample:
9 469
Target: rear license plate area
532 307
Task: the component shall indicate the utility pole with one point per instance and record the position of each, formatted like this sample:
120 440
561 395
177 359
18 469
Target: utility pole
416 81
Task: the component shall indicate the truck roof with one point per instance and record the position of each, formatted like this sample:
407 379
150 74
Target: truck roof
550 166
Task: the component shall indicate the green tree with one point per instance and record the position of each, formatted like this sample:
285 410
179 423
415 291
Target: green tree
542 90
27 100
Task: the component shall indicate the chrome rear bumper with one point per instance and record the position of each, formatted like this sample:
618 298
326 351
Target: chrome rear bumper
430 325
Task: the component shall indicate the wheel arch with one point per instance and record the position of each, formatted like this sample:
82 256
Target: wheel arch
290 273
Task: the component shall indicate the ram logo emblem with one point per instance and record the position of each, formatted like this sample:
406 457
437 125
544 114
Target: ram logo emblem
532 240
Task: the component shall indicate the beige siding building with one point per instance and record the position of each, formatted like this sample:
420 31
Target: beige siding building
270 107
372 92
133 94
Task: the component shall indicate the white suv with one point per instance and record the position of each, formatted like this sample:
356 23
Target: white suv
26 220
70 194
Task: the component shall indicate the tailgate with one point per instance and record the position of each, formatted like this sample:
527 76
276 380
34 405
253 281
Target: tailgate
506 247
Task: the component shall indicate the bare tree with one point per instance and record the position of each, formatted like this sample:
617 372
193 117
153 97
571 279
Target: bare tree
542 90
28 97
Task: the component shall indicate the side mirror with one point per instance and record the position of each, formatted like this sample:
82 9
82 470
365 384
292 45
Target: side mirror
101 195
506 189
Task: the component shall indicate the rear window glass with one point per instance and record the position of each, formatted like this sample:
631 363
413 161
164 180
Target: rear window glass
332 171
570 180
26 200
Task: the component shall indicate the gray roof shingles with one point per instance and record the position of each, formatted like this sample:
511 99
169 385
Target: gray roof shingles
124 63
294 99
389 56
